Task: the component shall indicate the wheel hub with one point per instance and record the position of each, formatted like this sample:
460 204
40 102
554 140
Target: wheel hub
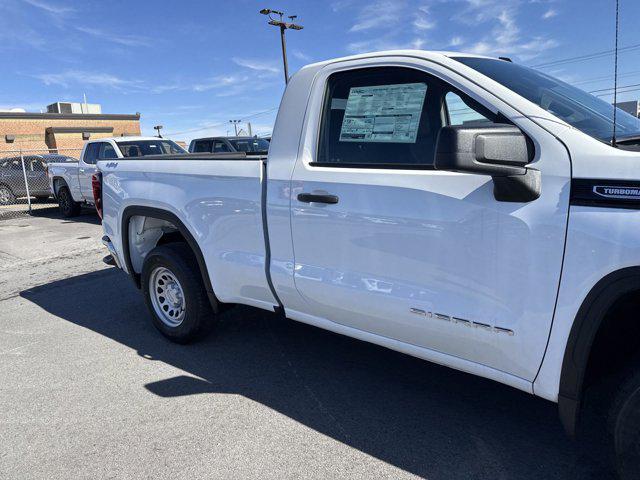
167 296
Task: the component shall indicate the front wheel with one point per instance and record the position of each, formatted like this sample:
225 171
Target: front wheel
625 426
68 207
175 294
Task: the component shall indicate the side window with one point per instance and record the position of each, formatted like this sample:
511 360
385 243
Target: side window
202 146
91 153
385 116
37 166
220 147
106 151
461 110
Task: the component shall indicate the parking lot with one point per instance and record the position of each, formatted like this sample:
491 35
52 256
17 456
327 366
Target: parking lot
88 389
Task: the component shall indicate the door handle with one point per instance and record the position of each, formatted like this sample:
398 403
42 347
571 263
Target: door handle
317 198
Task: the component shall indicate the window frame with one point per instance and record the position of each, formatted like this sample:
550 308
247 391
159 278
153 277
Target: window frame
88 148
326 100
104 145
311 125
229 149
203 141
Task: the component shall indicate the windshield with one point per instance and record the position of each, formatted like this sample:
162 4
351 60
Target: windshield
578 108
250 144
139 148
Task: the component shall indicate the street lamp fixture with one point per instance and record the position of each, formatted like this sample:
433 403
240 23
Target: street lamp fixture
280 23
158 128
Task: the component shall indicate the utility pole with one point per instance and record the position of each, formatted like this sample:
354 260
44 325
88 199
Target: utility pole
235 125
283 26
158 128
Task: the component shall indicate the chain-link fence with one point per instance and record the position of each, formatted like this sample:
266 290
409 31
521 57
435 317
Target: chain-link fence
24 181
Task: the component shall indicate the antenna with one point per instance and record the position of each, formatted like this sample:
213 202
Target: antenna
615 78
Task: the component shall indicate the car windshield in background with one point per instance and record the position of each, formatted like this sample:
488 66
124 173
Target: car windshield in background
578 108
140 148
250 145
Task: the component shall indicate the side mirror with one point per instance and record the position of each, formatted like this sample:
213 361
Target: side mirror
501 151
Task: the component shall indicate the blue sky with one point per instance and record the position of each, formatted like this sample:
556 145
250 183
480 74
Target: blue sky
193 65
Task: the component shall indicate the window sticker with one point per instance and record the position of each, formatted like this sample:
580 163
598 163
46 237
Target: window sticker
383 113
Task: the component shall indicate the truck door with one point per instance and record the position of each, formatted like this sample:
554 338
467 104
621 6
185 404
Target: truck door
385 244
86 169
94 152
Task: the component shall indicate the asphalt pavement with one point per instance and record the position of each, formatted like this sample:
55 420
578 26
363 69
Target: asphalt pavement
89 389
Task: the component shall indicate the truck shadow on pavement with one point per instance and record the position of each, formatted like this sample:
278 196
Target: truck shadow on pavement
425 419
87 215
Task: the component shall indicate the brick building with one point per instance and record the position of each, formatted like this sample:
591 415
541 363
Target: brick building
42 131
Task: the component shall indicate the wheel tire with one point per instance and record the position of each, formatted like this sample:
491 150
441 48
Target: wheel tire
178 263
624 421
68 207
7 197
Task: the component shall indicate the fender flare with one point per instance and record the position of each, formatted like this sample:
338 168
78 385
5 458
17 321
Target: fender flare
56 180
585 327
161 214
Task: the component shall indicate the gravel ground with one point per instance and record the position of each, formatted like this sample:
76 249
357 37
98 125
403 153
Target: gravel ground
88 389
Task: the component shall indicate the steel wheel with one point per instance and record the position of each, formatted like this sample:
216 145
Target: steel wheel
6 195
167 296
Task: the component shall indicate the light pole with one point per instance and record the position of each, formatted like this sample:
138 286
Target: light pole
283 26
235 125
158 128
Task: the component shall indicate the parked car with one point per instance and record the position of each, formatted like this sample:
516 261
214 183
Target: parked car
12 177
70 182
229 144
462 209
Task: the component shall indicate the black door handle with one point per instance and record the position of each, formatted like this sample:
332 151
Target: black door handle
317 198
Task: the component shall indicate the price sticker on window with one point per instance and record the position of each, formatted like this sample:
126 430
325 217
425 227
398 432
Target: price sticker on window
383 113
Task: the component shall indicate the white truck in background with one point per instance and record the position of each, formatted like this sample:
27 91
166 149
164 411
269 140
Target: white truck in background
462 209
70 182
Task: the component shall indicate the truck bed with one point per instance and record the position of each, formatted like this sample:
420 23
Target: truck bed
217 197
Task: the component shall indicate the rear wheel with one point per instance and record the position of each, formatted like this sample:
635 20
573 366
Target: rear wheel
175 294
6 196
625 426
68 207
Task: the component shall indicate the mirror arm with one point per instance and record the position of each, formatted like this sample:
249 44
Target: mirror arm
518 188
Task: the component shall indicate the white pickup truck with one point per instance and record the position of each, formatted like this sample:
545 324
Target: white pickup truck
70 182
462 209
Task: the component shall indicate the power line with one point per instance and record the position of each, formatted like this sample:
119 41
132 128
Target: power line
623 91
588 56
606 77
199 129
612 89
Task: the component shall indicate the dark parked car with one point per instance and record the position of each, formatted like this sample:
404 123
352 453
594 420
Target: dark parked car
12 185
229 144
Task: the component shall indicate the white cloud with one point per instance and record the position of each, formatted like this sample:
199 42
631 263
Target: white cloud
456 41
384 43
220 81
84 78
257 65
506 37
423 19
549 14
381 13
51 8
127 40
300 55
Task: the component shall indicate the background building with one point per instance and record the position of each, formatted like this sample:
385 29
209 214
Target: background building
61 127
